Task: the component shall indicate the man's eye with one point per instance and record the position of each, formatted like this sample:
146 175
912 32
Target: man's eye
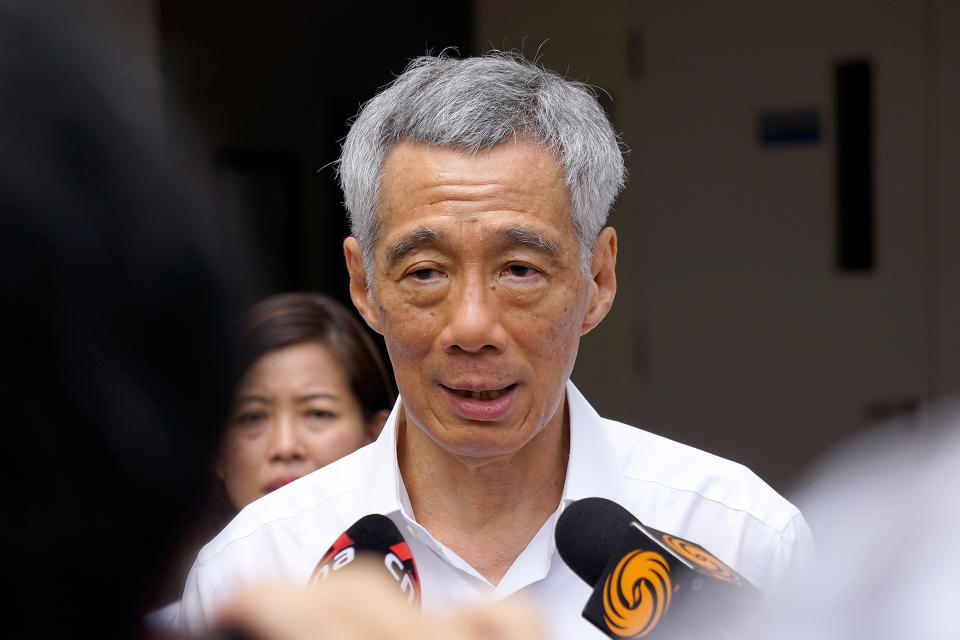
520 271
424 274
320 414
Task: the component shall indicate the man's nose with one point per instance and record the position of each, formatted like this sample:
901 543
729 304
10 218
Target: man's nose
473 323
285 444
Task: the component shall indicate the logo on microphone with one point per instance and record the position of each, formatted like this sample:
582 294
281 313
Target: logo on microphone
636 594
341 553
398 560
705 561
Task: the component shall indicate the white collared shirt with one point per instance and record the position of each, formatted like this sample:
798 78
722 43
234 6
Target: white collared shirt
717 503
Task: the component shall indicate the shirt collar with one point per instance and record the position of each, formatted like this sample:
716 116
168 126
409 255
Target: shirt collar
382 488
592 468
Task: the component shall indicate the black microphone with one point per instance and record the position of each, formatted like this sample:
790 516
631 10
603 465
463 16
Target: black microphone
647 583
374 536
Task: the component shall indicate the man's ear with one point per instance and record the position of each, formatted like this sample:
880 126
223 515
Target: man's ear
603 283
359 291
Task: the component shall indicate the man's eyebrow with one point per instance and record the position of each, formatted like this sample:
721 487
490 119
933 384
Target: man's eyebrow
410 242
531 238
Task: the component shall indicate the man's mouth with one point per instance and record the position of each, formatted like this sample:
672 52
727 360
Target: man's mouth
484 395
481 404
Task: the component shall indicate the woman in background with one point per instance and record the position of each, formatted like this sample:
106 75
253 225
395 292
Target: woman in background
314 390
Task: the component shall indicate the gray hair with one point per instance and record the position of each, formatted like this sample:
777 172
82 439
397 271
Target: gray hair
474 104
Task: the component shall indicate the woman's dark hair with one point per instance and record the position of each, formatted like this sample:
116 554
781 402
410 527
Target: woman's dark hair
293 318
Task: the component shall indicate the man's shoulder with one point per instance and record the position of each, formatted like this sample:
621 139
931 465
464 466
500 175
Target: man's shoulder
652 464
327 496
715 502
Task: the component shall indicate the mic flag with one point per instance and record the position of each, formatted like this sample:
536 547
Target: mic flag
647 583
374 536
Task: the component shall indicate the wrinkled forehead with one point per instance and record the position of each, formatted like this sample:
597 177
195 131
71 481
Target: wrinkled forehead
519 175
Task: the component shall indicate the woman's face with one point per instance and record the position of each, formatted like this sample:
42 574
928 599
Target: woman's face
293 413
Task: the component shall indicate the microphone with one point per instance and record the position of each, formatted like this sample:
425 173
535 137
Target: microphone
639 574
377 537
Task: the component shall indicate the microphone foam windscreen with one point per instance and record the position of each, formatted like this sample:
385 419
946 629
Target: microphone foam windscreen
374 532
587 533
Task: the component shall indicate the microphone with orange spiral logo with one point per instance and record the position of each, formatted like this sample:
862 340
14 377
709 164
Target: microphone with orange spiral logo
647 583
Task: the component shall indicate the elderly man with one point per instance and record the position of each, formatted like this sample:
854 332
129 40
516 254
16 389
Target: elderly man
478 191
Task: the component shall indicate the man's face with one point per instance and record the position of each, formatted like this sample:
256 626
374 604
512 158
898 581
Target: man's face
478 292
